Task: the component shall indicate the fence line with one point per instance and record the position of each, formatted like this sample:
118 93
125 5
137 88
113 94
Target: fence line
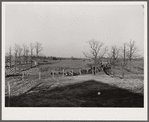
39 71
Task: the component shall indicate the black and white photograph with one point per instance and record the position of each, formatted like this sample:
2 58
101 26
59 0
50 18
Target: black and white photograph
70 57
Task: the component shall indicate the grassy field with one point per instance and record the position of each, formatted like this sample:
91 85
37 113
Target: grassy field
69 64
88 90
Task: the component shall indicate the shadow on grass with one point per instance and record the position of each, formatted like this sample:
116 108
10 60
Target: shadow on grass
84 94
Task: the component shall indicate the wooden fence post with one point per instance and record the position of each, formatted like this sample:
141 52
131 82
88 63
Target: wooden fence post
53 73
39 75
80 71
63 72
122 68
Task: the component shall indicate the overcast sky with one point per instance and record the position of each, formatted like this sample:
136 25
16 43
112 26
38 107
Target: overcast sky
65 29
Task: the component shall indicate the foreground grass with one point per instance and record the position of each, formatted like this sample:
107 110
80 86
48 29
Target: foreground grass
83 94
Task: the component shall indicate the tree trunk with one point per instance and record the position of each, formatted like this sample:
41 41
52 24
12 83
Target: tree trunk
94 70
10 61
31 62
19 59
130 65
114 70
123 71
15 62
24 58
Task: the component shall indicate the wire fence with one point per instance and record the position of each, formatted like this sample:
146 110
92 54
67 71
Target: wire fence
41 72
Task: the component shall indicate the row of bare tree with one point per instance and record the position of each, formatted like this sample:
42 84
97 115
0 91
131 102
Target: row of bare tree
125 53
27 52
98 51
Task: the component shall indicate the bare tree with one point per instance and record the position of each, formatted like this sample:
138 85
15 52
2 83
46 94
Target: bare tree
102 54
9 56
97 51
124 59
132 52
25 53
113 56
20 53
38 47
32 46
16 53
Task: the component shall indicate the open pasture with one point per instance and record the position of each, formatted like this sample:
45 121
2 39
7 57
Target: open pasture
68 64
